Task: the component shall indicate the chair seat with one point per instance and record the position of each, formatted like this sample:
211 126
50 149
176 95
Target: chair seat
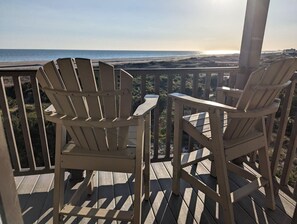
72 149
201 124
74 157
200 121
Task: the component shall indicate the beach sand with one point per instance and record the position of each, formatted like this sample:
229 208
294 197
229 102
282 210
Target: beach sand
162 62
230 60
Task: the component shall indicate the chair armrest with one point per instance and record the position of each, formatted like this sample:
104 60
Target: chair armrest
227 91
149 104
224 91
256 112
50 109
204 105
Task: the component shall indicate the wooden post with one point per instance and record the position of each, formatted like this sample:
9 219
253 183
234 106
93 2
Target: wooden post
252 39
10 211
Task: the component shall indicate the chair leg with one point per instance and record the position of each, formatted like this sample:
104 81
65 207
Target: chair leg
213 172
146 179
147 159
224 188
59 174
266 173
176 177
58 194
177 148
138 196
90 188
138 172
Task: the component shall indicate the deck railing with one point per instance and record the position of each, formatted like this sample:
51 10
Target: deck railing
283 168
198 82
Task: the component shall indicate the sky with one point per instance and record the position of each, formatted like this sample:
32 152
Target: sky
198 25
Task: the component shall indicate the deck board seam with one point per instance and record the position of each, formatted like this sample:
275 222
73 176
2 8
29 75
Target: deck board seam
164 196
193 215
198 197
235 183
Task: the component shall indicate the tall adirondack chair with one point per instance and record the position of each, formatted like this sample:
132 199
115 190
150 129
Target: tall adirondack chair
226 133
96 112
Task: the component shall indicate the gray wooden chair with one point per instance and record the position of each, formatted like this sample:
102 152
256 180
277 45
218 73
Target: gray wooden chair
230 132
96 112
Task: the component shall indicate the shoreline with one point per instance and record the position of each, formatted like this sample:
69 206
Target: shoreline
227 60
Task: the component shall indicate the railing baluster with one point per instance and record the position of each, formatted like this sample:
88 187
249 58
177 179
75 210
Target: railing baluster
143 86
183 82
9 128
220 79
41 124
232 79
24 122
290 155
156 118
168 117
193 110
282 126
195 84
207 85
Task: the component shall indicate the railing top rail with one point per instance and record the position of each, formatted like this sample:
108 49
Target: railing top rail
11 69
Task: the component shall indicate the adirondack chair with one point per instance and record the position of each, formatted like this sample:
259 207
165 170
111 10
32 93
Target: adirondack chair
226 133
96 113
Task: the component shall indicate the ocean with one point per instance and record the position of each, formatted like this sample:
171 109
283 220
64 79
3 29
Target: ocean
14 55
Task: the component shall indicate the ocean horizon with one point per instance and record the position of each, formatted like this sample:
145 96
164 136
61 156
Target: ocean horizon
15 55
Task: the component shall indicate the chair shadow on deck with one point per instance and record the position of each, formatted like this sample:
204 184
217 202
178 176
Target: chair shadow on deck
190 206
250 209
162 206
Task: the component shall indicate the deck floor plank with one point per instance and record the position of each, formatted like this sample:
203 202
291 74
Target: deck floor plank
106 194
115 190
247 204
177 205
18 180
241 216
280 214
25 189
122 192
70 187
37 199
283 204
46 214
193 199
90 201
159 202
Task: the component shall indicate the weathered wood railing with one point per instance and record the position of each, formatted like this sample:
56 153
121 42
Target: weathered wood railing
196 82
199 82
290 152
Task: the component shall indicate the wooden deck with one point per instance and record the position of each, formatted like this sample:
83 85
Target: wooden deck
114 190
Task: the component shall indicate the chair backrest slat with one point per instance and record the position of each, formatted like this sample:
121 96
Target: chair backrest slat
107 82
49 76
56 81
124 110
88 83
71 82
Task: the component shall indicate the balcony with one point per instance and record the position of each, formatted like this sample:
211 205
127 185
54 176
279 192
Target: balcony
31 152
